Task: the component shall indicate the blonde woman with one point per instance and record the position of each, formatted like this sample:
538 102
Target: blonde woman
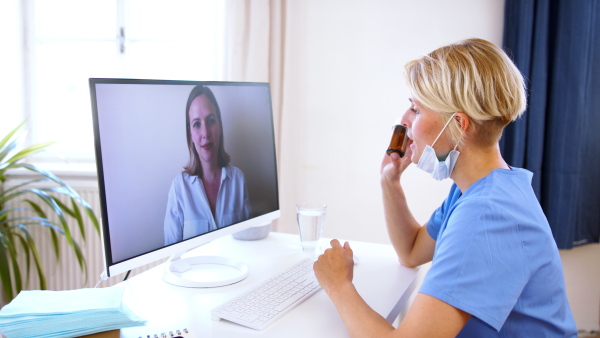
496 271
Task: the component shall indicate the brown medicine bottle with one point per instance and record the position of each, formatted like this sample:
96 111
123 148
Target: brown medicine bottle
399 140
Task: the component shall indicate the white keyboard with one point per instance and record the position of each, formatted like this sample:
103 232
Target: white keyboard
263 305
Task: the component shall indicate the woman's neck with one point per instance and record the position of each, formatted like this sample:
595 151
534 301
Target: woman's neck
211 172
211 180
475 163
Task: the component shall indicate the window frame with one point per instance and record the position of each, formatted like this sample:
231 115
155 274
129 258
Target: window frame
73 161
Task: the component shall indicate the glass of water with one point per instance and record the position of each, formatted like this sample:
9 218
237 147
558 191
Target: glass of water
311 219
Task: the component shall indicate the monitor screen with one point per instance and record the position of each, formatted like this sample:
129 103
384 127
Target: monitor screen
180 163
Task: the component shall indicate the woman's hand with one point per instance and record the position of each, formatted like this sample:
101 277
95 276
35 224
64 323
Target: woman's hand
335 267
392 166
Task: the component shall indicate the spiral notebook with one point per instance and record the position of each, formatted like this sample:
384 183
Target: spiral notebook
177 333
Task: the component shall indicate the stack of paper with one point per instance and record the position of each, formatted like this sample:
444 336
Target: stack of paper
66 313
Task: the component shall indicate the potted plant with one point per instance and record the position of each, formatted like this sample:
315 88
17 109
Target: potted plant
18 250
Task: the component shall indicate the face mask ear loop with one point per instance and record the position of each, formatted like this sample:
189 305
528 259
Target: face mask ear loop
461 139
457 143
440 134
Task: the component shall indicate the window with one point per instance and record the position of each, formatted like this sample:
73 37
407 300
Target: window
69 41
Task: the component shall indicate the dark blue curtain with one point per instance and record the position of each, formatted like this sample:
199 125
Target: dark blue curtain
556 45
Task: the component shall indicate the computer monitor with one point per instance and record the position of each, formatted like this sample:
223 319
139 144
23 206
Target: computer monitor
180 164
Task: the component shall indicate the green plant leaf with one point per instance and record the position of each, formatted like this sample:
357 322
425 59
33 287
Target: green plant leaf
25 247
21 185
16 271
5 275
43 208
74 213
5 198
53 230
55 242
36 208
10 134
81 260
36 148
6 147
36 257
88 210
49 200
30 220
78 217
38 205
4 152
6 211
48 175
62 206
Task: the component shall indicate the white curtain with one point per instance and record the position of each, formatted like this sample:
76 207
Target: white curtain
254 41
254 50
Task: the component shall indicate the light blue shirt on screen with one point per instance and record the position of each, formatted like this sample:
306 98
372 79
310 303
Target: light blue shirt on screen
496 259
188 212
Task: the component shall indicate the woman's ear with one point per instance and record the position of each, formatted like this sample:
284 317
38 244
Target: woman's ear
463 121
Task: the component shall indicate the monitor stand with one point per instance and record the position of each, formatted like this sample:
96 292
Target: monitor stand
203 271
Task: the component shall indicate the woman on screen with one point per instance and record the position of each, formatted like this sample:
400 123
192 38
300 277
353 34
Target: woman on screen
210 193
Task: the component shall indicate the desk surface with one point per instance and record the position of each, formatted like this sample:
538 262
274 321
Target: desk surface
378 277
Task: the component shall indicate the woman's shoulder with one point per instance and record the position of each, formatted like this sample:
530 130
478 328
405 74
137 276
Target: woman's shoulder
183 179
501 183
234 172
504 194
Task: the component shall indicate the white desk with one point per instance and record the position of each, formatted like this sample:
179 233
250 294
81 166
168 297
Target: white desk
379 278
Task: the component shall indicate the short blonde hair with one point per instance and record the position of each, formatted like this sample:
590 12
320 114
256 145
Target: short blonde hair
475 77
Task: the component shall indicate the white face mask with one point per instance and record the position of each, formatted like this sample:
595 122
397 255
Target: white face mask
430 163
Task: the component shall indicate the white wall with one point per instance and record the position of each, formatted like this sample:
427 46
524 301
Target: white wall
343 89
582 276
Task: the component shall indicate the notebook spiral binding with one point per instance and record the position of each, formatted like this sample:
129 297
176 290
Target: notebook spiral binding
185 333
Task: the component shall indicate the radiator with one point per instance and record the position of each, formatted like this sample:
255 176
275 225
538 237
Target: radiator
66 274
